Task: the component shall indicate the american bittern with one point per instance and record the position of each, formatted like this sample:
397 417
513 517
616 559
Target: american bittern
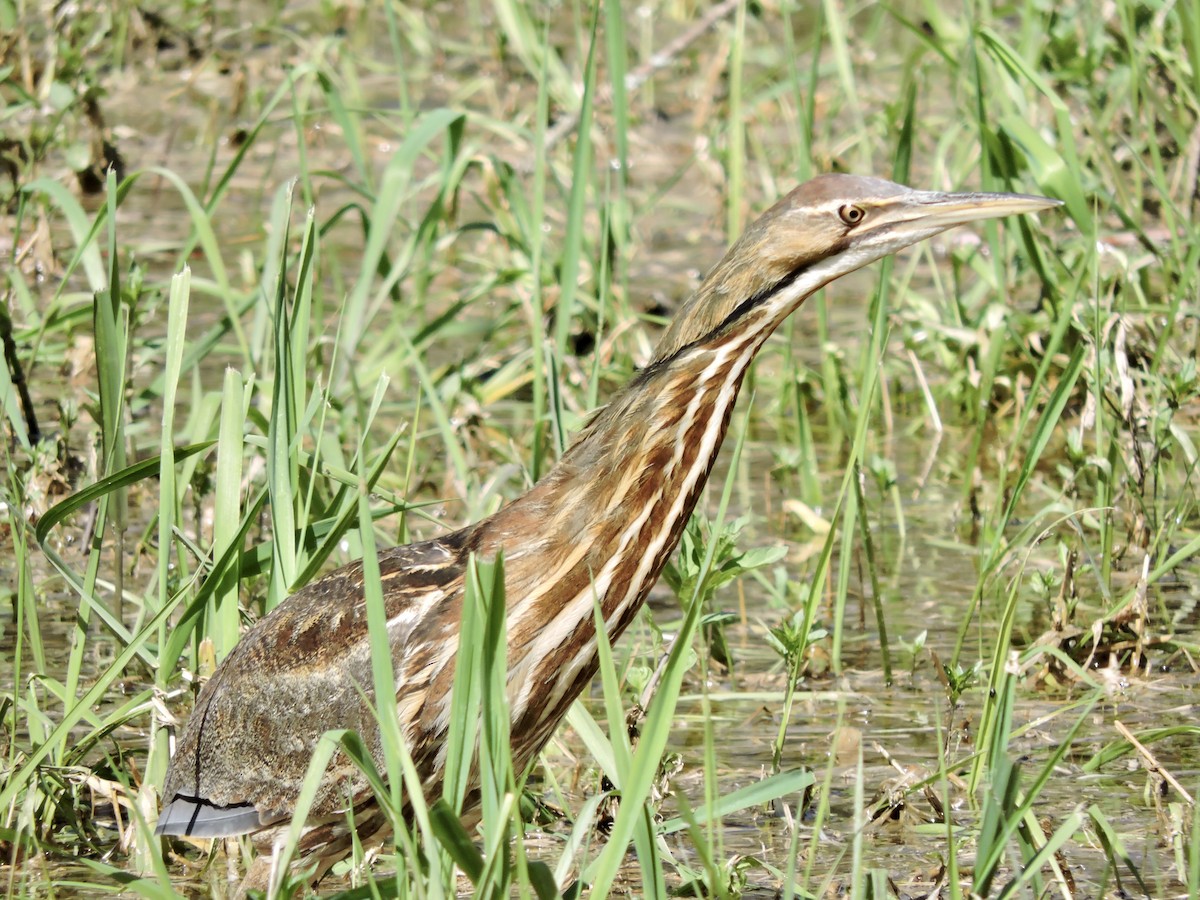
597 528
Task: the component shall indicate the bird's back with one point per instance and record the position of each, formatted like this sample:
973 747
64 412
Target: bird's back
304 670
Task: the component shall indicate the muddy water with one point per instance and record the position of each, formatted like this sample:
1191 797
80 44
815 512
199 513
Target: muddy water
905 728
173 115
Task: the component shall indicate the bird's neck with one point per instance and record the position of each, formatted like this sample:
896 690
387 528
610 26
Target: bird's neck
600 526
610 513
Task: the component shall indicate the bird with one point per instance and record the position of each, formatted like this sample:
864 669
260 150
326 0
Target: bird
596 529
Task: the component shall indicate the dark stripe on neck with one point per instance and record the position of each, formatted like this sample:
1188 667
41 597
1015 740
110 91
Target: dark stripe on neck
738 312
761 297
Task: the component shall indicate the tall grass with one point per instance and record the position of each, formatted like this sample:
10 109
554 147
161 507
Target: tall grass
989 461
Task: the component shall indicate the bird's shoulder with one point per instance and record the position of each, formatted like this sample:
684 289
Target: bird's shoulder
327 619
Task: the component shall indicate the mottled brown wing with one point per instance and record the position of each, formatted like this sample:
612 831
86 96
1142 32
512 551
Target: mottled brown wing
304 670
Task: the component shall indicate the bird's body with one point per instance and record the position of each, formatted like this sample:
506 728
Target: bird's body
599 527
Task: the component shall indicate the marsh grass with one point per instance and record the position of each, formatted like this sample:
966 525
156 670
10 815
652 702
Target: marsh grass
437 290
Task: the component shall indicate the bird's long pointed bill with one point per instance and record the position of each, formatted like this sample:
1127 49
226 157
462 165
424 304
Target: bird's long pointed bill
947 210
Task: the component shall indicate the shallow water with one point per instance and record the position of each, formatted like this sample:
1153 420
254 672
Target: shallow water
171 116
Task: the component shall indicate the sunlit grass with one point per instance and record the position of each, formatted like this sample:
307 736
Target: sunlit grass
434 290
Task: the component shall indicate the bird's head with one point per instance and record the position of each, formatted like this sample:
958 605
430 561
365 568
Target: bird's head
823 229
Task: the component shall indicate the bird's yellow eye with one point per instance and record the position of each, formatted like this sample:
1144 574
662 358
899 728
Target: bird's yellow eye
851 215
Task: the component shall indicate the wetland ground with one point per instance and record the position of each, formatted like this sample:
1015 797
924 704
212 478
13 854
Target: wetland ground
949 644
